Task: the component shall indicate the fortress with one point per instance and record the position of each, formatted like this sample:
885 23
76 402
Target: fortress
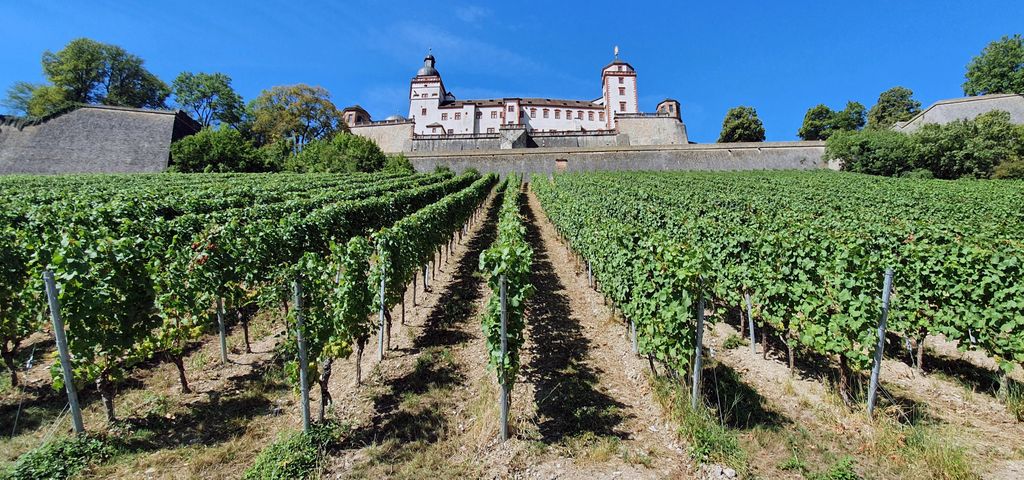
439 121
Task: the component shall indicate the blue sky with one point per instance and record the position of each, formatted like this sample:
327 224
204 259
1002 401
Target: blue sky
779 57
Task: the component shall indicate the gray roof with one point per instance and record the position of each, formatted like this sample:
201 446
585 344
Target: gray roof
945 111
428 70
92 139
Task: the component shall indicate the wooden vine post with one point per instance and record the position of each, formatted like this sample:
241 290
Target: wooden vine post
380 333
62 350
877 367
303 361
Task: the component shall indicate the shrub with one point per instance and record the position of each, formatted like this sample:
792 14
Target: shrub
878 152
340 153
1013 169
217 150
62 458
298 455
398 163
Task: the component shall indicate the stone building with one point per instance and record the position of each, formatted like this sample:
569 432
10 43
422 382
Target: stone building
438 120
92 139
945 111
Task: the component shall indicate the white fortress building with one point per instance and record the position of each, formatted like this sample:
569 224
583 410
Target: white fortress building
438 120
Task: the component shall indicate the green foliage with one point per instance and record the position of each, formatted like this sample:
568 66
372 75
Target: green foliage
398 163
878 152
741 125
841 470
1009 169
18 319
821 122
61 458
296 113
87 71
511 257
209 97
962 148
339 153
295 456
217 150
894 105
18 97
998 69
46 100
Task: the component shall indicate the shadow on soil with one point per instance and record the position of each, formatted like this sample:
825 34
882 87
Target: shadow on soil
737 404
567 401
404 410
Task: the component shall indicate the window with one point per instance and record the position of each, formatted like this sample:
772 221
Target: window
423 112
545 113
533 113
511 108
671 108
601 116
620 68
590 116
479 114
458 115
433 129
444 116
568 114
622 80
579 115
622 90
450 131
622 107
490 130
494 114
558 113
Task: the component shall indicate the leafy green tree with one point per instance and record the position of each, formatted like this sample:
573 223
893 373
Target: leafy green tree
18 97
741 125
998 69
894 105
398 163
88 71
878 152
209 97
821 122
970 148
47 99
343 152
299 113
217 150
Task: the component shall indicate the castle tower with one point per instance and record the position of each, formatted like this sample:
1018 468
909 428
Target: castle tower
618 84
426 92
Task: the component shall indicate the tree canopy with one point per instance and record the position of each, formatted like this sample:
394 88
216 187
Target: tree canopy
220 150
18 97
988 146
343 152
300 113
741 125
894 105
209 98
998 69
821 122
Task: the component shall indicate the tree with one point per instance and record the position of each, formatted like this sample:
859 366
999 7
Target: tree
398 163
877 152
970 148
18 97
821 122
894 105
741 125
209 97
46 100
217 150
88 71
299 113
343 152
998 69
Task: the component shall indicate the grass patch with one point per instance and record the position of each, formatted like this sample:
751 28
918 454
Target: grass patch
62 458
840 470
708 439
295 455
1015 400
920 450
734 341
591 447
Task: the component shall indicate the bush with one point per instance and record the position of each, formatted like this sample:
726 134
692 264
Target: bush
217 150
62 458
1013 169
398 163
298 455
341 153
878 152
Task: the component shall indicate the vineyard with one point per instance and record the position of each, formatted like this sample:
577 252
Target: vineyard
591 320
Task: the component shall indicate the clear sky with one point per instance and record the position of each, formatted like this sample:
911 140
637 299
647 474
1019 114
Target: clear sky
780 57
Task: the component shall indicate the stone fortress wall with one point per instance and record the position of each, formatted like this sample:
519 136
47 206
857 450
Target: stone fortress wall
729 156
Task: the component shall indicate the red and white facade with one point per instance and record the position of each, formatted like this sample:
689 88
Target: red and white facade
436 111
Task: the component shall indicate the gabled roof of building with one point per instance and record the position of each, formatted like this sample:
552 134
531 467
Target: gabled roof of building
354 108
